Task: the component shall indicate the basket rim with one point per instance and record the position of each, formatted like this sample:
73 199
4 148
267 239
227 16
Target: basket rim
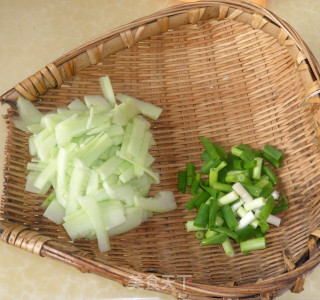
53 76
310 258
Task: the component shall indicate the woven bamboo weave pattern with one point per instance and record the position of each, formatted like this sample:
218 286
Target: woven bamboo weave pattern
217 77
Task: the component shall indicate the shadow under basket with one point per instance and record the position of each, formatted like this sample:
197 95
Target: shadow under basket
227 70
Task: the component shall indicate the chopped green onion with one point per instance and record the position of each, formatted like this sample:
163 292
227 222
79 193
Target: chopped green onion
209 148
252 190
227 247
246 148
202 199
232 201
241 212
210 233
195 184
256 203
237 164
249 164
258 153
191 204
219 220
275 194
258 168
209 165
220 150
221 166
271 160
236 151
237 178
214 193
215 240
213 176
237 205
245 233
253 244
246 220
232 178
213 213
272 176
242 192
264 226
274 220
238 172
191 227
229 216
202 217
190 173
228 198
227 231
223 187
199 235
273 152
205 156
258 233
265 212
264 180
182 181
283 206
267 190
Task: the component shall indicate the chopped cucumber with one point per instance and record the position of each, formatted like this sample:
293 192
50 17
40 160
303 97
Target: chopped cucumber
134 216
95 155
146 108
55 212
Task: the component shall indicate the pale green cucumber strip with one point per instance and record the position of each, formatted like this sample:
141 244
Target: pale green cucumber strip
109 167
125 112
78 225
97 101
96 219
28 114
115 130
91 152
139 128
77 104
162 202
77 188
148 109
93 182
107 90
112 213
46 175
55 212
61 189
122 192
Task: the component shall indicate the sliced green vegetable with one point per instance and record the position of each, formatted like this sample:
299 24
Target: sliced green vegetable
272 176
195 184
253 244
214 240
146 108
190 173
202 218
229 216
227 247
213 213
199 235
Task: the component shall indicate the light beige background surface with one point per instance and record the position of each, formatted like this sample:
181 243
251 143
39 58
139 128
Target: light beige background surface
34 33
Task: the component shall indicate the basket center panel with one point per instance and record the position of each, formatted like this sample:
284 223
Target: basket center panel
218 79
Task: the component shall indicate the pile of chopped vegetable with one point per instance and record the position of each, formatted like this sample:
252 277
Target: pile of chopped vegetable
236 198
95 155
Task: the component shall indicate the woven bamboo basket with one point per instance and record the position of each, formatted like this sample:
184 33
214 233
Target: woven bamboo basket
227 70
